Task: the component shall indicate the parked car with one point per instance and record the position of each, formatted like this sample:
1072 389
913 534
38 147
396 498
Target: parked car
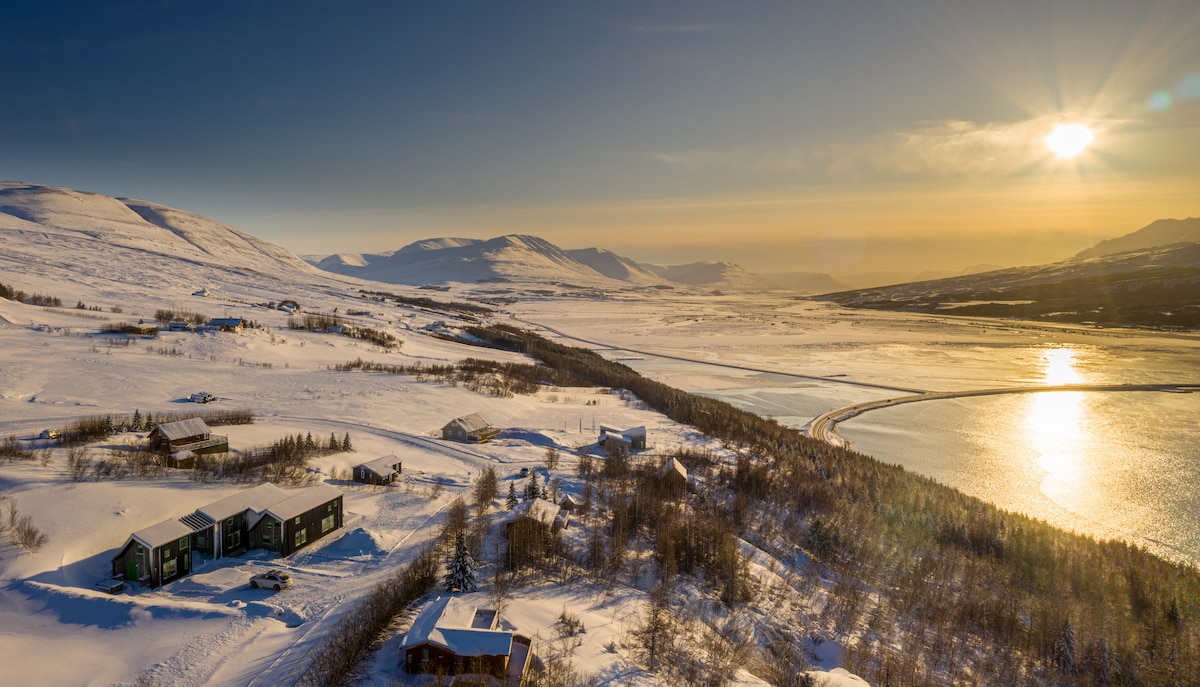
49 434
113 585
272 579
202 397
524 472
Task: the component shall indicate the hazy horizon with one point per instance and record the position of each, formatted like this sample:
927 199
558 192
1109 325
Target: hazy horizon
845 139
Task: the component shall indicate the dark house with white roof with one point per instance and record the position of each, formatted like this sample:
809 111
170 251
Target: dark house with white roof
191 435
471 429
452 636
383 470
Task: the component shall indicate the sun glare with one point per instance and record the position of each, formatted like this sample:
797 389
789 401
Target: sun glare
1069 140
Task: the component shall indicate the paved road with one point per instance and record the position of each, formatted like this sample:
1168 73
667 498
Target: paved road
824 427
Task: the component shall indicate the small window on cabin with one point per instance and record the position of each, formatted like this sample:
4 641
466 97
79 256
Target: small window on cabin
229 522
329 508
183 543
140 550
297 520
301 538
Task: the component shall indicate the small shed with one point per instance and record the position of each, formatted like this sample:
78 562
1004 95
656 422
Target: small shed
471 429
385 470
568 503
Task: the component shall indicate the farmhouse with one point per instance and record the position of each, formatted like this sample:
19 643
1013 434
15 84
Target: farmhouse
631 439
383 470
191 435
227 324
452 636
265 517
471 429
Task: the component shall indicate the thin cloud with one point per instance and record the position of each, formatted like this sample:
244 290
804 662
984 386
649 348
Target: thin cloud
741 160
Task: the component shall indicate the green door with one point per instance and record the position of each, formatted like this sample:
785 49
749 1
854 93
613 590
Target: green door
131 570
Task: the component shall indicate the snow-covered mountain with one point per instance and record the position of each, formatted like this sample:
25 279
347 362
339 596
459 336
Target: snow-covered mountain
1158 233
522 258
60 236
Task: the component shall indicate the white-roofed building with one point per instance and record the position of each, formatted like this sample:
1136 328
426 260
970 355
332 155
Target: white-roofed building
632 439
191 434
383 470
472 429
454 636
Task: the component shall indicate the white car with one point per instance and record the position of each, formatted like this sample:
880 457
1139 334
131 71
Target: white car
202 397
272 579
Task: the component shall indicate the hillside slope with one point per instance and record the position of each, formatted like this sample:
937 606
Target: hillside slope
1158 233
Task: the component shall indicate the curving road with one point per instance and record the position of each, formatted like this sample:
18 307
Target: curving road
824 426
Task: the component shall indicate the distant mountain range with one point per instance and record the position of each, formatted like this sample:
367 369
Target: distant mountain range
1150 277
522 258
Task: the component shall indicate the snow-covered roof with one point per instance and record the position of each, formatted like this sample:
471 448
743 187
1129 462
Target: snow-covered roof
164 532
304 501
472 422
448 622
543 511
182 429
676 467
568 501
259 498
226 322
381 466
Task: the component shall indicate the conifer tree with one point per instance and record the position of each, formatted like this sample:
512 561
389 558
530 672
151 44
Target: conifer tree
309 444
531 489
511 501
136 424
461 574
346 443
334 444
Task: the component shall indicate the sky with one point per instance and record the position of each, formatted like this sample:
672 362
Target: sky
842 137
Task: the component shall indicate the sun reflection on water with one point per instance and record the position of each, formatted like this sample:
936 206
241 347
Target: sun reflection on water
1055 423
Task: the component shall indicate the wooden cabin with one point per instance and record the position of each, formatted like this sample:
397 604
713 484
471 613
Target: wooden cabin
471 429
385 470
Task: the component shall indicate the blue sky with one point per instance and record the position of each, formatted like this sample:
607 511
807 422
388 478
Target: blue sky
784 135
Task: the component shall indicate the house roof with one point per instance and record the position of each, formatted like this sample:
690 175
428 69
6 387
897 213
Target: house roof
258 499
164 532
182 429
226 321
623 435
381 466
303 502
676 467
568 501
472 423
448 622
543 511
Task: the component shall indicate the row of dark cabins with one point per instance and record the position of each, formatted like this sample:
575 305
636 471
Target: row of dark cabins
264 517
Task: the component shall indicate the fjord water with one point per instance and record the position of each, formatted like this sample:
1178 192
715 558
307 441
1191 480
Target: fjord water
1110 464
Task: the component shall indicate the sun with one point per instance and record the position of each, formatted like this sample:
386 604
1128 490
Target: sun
1069 140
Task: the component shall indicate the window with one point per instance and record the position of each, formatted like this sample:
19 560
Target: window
301 538
297 521
170 568
229 522
327 523
235 538
183 543
140 550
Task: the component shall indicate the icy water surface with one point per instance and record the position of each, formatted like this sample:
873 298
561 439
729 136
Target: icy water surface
1110 464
